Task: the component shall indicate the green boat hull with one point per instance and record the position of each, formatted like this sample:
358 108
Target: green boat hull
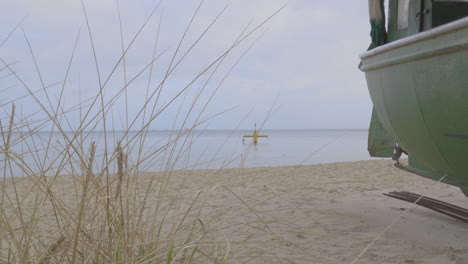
419 87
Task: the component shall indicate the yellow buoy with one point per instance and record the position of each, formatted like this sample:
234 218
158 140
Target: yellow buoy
255 135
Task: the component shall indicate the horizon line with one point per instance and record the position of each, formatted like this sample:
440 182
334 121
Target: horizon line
220 129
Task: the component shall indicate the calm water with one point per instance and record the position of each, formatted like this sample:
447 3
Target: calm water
209 149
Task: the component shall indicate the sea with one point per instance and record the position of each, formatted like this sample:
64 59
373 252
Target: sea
207 149
282 147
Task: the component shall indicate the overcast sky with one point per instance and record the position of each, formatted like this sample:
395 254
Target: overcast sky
303 62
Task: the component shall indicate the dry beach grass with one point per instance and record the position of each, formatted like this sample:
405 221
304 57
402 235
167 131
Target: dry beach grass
100 212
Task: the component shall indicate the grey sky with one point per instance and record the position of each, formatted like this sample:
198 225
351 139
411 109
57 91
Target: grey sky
306 59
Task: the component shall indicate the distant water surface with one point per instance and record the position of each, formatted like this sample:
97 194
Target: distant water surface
293 147
209 149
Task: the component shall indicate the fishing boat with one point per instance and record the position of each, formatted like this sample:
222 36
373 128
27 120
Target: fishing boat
417 76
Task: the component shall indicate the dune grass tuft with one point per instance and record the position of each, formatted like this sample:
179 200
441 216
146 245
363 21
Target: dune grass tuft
78 192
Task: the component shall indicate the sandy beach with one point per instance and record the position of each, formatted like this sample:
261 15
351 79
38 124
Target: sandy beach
329 213
324 213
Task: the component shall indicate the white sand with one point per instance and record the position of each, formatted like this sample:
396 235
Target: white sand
314 214
329 213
